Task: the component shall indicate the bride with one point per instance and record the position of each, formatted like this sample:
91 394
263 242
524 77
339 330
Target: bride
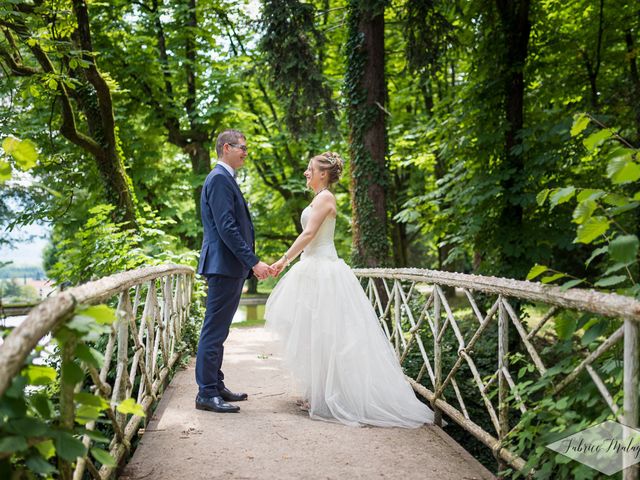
332 342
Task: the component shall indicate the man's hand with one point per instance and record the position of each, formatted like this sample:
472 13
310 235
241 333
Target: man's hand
261 270
277 267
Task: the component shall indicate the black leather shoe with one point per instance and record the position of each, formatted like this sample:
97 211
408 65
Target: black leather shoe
229 396
215 404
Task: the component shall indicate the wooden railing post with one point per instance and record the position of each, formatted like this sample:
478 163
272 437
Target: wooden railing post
122 329
631 384
503 364
397 329
437 355
67 408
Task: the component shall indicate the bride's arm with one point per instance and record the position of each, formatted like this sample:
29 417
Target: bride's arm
323 206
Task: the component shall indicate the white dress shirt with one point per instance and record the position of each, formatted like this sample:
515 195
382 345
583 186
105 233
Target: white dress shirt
229 169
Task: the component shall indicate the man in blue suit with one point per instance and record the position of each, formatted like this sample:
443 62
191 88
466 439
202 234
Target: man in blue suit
227 259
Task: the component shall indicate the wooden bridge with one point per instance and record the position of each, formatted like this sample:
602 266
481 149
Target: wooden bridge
115 370
272 438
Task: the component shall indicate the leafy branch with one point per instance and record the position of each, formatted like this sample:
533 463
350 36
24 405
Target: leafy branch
599 214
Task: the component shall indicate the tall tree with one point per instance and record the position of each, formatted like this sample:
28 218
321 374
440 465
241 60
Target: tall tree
632 54
292 44
52 50
292 111
291 102
162 54
515 27
592 62
428 36
366 93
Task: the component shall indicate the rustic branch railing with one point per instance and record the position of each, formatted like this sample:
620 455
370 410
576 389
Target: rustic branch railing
145 342
396 292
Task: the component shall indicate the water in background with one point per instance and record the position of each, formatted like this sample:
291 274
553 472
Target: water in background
44 341
12 321
247 313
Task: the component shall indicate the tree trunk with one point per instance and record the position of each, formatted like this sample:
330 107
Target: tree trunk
93 96
366 91
593 67
400 243
514 261
515 26
201 166
635 81
252 286
101 121
118 186
115 180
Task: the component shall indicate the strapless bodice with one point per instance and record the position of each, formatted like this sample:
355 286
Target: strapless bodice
322 244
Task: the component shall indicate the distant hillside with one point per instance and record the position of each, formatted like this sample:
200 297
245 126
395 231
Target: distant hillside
22 271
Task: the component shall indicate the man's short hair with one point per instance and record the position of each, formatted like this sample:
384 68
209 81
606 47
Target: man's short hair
228 136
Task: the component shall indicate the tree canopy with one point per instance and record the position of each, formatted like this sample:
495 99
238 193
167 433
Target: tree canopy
472 105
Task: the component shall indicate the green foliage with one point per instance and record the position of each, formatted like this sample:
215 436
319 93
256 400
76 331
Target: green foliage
5 171
39 375
579 406
103 457
603 217
11 292
130 406
35 433
23 152
292 43
101 247
17 155
429 37
452 118
191 330
45 49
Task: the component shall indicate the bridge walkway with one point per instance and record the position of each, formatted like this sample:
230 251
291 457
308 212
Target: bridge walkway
272 438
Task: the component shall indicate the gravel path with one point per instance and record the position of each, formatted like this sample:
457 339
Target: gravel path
271 438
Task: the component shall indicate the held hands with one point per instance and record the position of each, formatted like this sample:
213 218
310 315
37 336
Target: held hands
278 267
262 271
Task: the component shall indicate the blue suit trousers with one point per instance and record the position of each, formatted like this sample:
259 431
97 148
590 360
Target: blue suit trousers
223 298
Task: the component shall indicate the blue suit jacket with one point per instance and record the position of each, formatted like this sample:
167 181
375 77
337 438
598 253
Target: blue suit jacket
229 241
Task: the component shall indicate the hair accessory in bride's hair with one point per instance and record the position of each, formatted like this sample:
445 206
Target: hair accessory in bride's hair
331 157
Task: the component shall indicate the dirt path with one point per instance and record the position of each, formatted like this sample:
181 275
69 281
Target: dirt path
271 438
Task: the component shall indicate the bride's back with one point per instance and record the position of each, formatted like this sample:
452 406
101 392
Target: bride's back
322 244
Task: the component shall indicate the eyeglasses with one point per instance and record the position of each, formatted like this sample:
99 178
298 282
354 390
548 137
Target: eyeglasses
237 145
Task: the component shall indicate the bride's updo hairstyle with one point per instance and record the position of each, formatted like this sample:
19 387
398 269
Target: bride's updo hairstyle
331 163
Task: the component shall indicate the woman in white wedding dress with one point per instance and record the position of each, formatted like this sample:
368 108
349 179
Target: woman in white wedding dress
332 342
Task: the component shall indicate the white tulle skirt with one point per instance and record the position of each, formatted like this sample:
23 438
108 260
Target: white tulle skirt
340 358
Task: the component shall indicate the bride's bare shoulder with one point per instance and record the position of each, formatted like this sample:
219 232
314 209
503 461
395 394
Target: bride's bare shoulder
327 200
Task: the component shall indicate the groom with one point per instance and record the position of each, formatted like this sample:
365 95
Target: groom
226 260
